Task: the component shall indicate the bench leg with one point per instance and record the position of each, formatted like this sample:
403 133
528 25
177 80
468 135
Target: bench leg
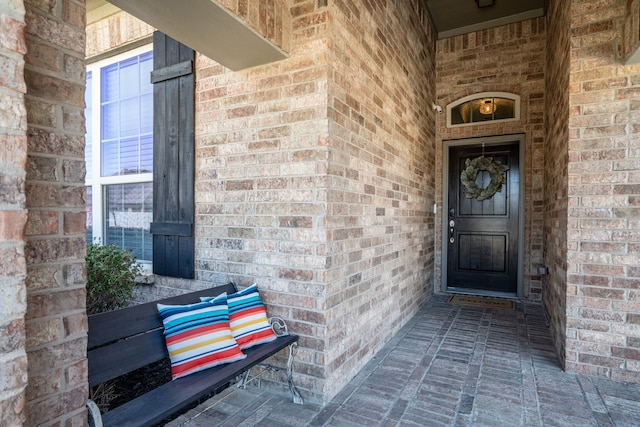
245 379
295 395
293 349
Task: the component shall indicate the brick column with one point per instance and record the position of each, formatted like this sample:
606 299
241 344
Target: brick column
556 181
13 147
603 237
55 196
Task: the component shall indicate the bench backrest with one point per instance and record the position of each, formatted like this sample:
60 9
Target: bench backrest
123 340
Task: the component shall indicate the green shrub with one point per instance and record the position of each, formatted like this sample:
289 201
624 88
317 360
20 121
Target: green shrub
111 276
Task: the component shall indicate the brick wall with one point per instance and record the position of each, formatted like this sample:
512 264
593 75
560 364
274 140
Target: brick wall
259 163
114 32
507 59
314 184
381 175
603 297
630 31
55 196
13 215
556 156
270 18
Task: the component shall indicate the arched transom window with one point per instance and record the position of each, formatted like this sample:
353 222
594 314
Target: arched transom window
483 107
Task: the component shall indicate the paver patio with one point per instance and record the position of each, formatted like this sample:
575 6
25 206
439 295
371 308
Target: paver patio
449 366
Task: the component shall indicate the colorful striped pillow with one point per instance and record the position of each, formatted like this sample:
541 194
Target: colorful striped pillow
198 336
248 318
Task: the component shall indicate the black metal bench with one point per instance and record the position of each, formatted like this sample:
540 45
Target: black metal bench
121 341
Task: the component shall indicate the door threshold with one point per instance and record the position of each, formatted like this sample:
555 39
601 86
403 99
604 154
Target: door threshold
482 292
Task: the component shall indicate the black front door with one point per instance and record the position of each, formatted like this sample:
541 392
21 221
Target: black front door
482 235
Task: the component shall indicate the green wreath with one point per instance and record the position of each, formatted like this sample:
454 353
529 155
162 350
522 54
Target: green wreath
470 172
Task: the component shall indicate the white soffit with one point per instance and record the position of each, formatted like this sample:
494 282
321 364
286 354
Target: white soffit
207 28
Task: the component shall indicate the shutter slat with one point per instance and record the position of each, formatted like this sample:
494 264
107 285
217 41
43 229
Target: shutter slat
175 229
172 72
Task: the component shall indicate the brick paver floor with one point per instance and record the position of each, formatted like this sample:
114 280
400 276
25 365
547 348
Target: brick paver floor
449 366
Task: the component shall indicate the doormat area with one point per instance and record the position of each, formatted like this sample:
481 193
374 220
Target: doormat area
482 302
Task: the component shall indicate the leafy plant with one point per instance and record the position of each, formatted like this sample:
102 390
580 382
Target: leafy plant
111 276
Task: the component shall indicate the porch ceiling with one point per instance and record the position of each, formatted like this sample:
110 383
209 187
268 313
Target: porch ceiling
454 17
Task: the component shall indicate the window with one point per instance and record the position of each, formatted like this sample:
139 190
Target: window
119 152
483 107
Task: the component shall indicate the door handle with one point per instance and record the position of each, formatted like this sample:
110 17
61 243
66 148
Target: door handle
452 224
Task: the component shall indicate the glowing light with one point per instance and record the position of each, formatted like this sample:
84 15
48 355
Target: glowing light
487 106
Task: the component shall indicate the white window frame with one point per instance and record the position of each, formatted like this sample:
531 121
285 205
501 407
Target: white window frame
506 95
98 182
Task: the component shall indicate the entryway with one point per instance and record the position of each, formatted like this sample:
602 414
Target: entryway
483 216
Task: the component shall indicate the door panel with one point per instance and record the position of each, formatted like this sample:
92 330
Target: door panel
482 252
482 244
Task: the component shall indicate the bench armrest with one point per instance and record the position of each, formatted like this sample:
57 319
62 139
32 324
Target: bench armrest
94 417
279 326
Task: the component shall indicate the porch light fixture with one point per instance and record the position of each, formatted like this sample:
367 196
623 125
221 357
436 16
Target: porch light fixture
487 106
485 3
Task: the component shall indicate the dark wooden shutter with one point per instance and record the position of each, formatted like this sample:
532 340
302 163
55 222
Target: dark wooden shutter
173 157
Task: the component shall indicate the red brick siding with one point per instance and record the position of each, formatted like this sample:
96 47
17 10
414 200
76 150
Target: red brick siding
13 215
55 197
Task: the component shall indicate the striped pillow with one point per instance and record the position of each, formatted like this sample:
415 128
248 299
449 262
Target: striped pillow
198 336
248 318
